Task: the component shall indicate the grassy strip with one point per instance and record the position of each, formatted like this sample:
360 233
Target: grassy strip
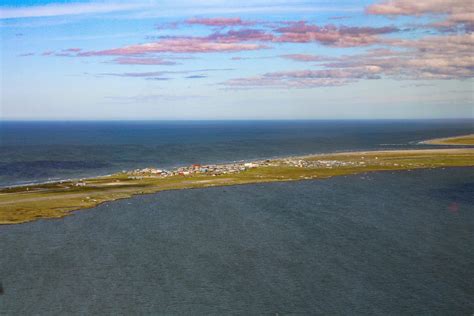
55 200
458 140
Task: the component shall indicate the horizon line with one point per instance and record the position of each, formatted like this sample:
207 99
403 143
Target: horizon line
235 120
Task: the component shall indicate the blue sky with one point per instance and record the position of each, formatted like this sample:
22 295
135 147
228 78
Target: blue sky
237 59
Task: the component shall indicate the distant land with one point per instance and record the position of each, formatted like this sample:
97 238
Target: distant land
458 140
27 203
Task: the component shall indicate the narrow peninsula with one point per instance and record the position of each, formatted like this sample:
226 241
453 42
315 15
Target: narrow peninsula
466 140
54 200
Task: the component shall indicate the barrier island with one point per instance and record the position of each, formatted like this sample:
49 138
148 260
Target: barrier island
26 203
457 140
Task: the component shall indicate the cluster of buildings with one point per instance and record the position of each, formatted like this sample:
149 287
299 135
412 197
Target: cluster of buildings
321 163
194 169
237 167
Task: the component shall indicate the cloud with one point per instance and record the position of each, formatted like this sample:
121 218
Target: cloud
26 54
225 7
61 9
429 58
195 77
306 78
434 57
340 17
159 78
219 21
143 61
176 45
248 39
136 74
243 35
362 72
157 75
331 35
72 50
304 57
282 82
456 11
153 98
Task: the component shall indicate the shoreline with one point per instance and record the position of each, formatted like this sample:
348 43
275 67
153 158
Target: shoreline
461 140
58 199
444 141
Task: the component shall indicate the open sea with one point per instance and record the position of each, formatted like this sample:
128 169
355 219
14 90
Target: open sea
45 151
385 243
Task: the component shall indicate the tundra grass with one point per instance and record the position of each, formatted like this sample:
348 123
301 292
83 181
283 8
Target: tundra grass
55 200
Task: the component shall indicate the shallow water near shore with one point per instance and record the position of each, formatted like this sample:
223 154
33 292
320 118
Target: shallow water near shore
380 243
32 152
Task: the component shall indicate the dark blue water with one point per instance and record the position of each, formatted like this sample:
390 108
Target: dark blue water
40 151
379 244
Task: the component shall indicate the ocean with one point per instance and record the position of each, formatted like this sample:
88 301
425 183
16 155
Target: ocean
390 243
45 151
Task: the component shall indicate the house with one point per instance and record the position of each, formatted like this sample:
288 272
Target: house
250 165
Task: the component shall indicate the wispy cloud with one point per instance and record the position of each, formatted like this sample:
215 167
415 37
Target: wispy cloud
219 21
195 77
168 8
331 35
61 9
157 75
250 39
188 8
176 45
430 58
149 98
143 61
304 57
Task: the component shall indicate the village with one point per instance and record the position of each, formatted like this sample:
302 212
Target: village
212 169
301 163
237 167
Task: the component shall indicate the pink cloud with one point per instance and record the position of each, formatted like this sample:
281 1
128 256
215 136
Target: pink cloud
48 53
330 35
429 58
409 7
304 57
143 61
245 35
72 50
218 21
434 57
176 45
457 11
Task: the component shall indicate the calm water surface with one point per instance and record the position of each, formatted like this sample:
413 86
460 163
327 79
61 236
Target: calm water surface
380 244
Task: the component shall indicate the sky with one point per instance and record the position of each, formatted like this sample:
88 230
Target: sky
216 59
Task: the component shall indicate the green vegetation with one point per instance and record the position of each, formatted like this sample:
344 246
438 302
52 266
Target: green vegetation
55 200
458 140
